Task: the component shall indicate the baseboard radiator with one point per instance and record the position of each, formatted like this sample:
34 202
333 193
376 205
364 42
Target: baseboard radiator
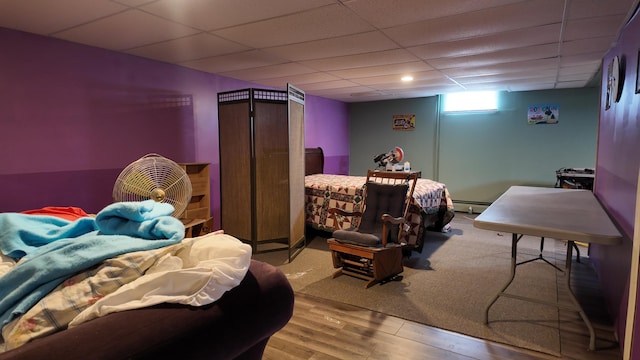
469 206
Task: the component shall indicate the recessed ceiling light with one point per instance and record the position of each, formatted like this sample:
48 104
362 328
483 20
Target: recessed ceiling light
407 78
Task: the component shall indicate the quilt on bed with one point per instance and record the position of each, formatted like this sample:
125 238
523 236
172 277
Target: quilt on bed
431 208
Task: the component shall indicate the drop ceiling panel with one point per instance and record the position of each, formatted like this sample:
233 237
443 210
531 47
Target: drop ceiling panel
537 65
339 85
368 42
321 23
136 28
571 84
593 27
580 9
583 69
219 14
46 17
545 34
388 13
300 80
498 57
394 56
268 72
193 47
232 62
398 69
506 77
587 46
349 50
473 24
391 81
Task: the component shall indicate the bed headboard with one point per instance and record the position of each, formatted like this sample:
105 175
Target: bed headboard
313 161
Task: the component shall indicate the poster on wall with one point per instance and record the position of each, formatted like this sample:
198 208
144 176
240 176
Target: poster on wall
404 122
543 114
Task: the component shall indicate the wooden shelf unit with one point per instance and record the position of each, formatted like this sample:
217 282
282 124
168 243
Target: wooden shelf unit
198 211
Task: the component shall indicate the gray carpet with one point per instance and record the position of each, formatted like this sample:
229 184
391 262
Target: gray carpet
448 285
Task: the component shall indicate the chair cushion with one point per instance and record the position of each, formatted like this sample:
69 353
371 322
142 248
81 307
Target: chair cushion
352 236
379 199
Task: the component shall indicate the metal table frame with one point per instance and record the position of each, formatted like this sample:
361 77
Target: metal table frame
565 214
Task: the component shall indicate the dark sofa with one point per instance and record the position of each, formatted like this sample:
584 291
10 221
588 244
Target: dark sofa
237 326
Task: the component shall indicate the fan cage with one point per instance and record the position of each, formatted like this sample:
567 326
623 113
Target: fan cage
154 177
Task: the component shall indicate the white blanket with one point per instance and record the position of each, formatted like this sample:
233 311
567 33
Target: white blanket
199 273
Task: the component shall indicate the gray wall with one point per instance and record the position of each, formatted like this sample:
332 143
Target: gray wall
478 156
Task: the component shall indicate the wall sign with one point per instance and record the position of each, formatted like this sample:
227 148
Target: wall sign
404 122
543 114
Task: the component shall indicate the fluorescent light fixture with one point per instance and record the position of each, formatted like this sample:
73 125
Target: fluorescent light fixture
407 78
471 101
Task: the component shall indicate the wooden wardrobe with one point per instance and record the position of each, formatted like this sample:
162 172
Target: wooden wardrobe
261 136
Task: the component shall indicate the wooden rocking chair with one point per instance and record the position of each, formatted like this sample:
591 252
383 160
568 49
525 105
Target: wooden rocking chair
373 250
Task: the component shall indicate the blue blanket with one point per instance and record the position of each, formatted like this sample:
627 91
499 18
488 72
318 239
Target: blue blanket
53 249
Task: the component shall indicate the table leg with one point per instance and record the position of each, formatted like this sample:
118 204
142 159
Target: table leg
576 304
514 251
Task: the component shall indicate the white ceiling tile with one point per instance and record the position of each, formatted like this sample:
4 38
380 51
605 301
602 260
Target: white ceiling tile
598 45
302 79
531 86
349 50
392 69
225 63
478 23
268 72
188 48
498 57
398 86
584 77
137 29
490 43
321 23
593 27
579 9
571 84
219 14
388 13
133 3
394 81
578 69
466 80
593 59
394 56
534 65
340 46
46 16
330 85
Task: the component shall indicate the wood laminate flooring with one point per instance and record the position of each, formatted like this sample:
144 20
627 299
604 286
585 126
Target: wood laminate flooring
322 329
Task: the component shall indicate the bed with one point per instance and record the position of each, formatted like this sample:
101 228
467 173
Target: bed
431 208
126 283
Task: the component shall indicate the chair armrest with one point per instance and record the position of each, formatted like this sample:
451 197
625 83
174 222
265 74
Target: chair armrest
386 219
391 219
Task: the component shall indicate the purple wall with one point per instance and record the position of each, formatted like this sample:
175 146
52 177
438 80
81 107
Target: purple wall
617 175
73 116
326 126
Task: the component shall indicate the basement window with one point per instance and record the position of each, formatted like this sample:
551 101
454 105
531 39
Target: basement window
470 101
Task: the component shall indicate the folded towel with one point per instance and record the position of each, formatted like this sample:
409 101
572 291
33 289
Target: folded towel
51 258
147 219
21 234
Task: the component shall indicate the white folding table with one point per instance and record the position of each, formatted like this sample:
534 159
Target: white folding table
565 214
